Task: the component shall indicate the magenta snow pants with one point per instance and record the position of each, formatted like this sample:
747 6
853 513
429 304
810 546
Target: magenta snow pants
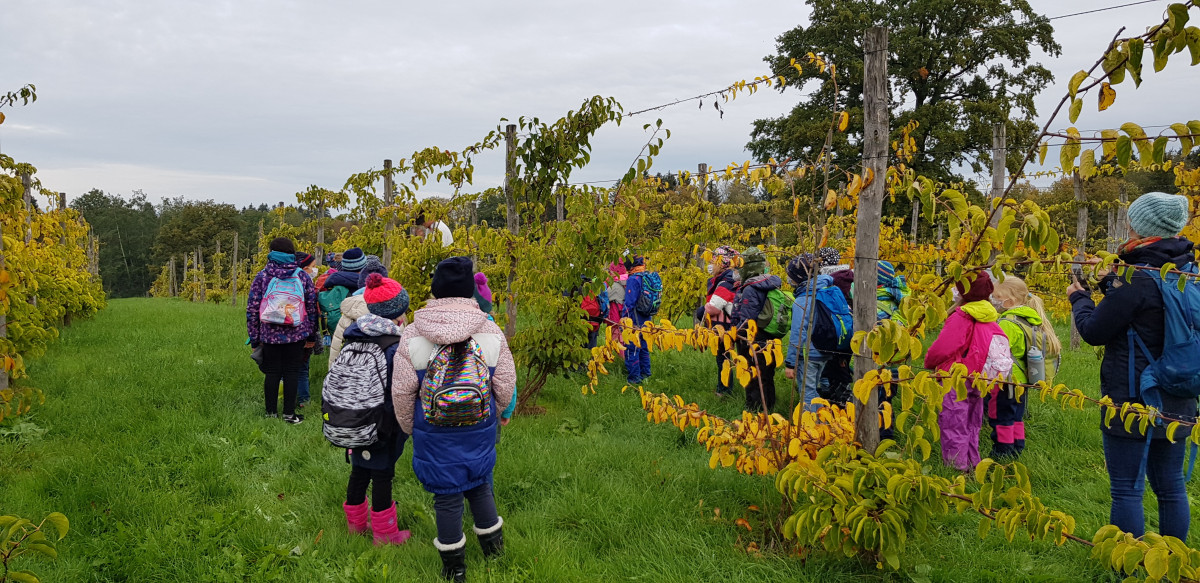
960 422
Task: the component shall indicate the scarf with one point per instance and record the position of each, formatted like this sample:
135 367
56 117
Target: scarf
1132 244
281 257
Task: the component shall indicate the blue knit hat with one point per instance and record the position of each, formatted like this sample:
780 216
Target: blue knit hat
353 259
1157 214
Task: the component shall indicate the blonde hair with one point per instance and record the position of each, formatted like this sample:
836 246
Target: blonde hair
1014 289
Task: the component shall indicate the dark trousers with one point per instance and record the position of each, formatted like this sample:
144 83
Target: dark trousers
1164 468
1006 416
381 492
765 372
282 362
449 510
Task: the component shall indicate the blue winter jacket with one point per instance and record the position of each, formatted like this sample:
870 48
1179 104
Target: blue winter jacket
798 337
633 291
346 279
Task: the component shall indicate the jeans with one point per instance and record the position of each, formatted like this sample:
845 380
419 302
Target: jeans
381 493
1164 468
282 362
808 379
637 362
302 395
766 372
449 511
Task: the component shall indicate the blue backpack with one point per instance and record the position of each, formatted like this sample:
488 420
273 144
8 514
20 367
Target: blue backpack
1176 372
833 325
651 297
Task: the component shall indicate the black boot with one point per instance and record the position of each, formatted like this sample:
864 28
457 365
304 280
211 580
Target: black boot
491 539
454 560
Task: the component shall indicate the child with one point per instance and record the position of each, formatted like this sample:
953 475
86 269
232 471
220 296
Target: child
1024 321
718 301
483 293
454 441
751 300
637 288
375 464
354 306
803 273
285 339
972 337
890 290
306 262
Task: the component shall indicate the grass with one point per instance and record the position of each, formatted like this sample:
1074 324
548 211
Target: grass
152 441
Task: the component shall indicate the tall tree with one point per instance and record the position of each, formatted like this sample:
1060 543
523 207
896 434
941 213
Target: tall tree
955 66
188 225
127 230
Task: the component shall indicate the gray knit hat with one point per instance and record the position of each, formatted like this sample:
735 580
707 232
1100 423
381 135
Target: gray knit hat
373 265
1157 214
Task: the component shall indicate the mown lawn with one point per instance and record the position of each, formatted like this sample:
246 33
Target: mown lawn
152 441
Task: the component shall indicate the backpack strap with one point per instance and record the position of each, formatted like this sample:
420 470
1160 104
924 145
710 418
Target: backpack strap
421 350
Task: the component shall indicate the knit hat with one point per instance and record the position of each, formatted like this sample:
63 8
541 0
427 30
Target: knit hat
453 278
829 256
1157 214
385 297
724 256
801 268
844 280
304 260
373 265
481 286
353 259
282 245
634 261
981 288
755 263
887 274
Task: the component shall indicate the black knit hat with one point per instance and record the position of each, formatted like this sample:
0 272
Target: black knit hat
282 245
454 278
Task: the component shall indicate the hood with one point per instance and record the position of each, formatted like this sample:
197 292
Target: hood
823 281
765 283
1029 314
982 311
354 307
1177 250
371 326
346 279
274 269
449 320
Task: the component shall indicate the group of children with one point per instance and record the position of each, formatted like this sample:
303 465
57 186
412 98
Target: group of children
447 380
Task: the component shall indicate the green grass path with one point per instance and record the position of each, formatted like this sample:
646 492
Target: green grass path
152 441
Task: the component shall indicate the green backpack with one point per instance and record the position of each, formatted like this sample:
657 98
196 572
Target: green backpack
775 319
330 302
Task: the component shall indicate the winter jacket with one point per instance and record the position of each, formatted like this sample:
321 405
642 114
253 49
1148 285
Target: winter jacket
798 337
1017 343
346 279
971 336
353 308
722 292
449 460
633 291
266 333
1137 304
751 297
382 454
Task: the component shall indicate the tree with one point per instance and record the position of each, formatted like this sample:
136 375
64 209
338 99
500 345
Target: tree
956 66
127 229
188 225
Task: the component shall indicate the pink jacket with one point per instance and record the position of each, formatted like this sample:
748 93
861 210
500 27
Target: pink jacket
967 338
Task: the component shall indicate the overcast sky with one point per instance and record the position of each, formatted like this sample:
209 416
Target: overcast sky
252 101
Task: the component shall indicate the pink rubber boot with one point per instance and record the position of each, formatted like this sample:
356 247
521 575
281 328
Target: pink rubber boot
383 524
357 517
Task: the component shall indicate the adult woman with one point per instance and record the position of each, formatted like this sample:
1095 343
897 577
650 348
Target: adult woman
285 341
1134 311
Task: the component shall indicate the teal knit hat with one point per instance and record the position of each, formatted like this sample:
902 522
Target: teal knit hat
1157 214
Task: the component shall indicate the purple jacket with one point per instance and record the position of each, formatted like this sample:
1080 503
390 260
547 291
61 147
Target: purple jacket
265 333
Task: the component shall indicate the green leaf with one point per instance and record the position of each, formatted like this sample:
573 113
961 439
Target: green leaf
23 577
1193 44
1087 164
1076 81
1132 558
1076 107
1160 150
985 525
1114 65
982 468
1124 151
1184 136
1134 63
60 522
1177 16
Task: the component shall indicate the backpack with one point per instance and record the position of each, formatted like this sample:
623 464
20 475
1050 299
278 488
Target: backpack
353 397
833 325
330 302
1035 359
283 302
457 388
591 305
775 318
651 297
1176 372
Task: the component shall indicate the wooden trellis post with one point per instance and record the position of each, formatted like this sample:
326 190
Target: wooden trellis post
233 270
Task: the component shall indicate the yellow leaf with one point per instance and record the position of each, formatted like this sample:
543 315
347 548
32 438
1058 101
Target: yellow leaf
830 199
1107 96
843 121
725 373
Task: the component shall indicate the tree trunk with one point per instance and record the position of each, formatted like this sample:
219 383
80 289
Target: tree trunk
1081 220
514 227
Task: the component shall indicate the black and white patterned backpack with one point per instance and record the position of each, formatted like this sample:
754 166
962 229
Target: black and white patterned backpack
352 399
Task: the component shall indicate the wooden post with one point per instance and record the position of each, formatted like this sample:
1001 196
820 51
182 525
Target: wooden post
233 272
320 254
183 277
938 266
916 217
62 221
1081 224
560 202
389 199
27 196
999 157
514 225
3 320
1110 243
200 275
259 242
702 174
174 291
870 207
1123 215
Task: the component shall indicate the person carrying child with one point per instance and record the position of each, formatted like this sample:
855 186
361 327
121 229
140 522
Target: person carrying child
972 337
1033 344
719 300
357 392
453 374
